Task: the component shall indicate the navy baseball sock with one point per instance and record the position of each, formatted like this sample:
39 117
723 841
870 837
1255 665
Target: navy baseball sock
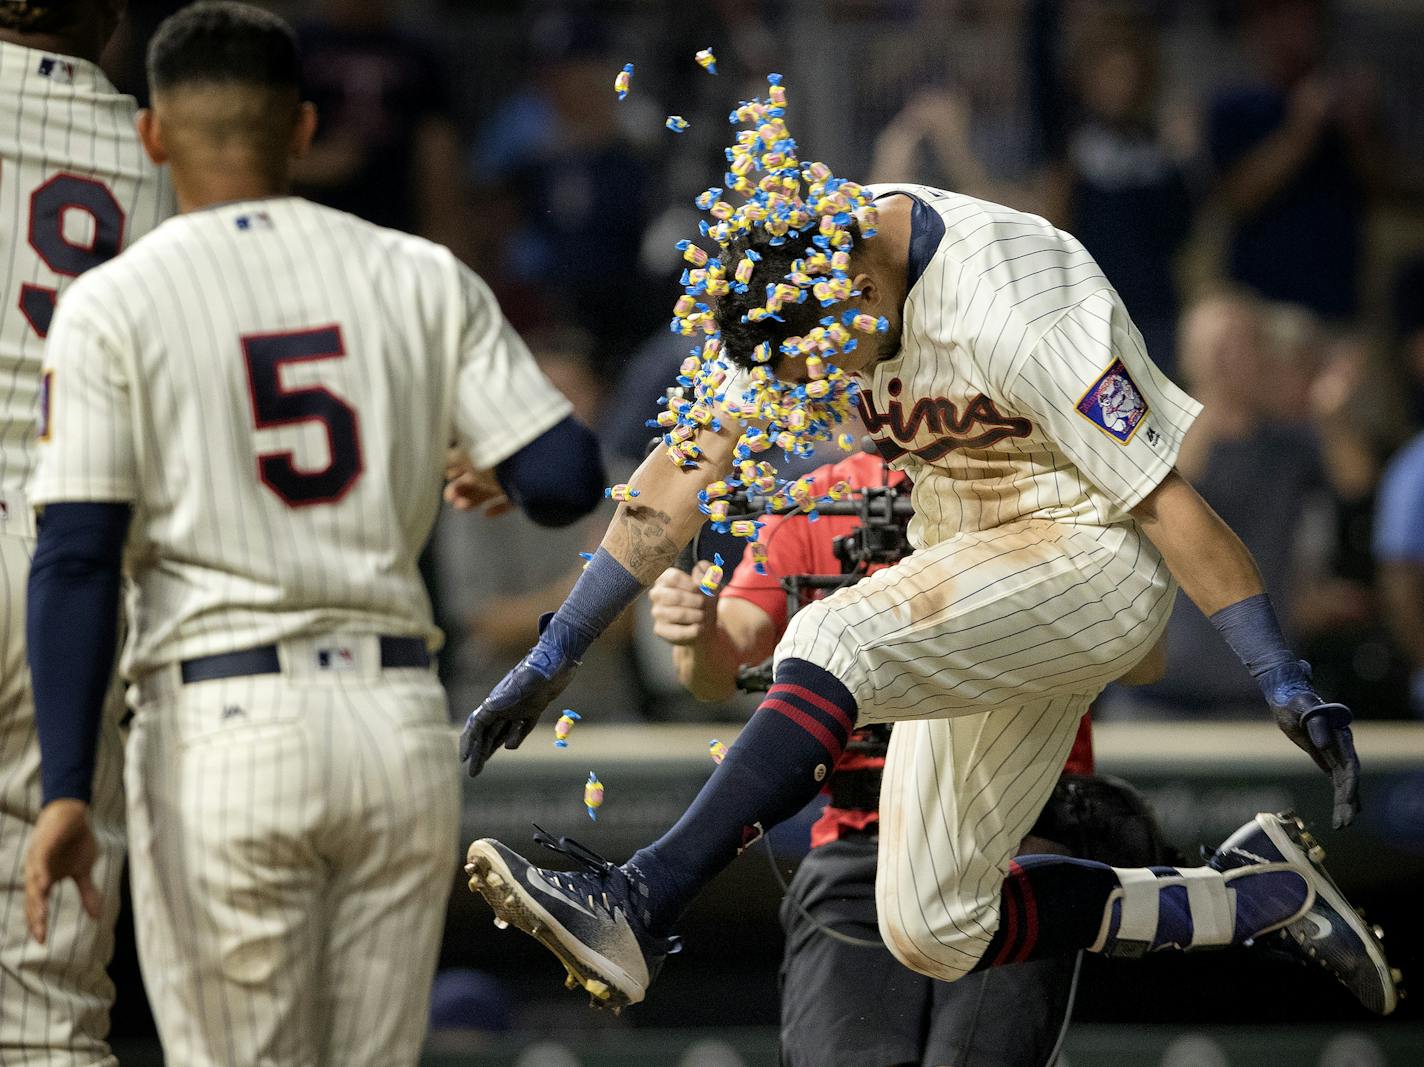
774 769
1051 905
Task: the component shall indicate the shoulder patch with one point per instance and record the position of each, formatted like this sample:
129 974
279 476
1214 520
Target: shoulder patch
1114 404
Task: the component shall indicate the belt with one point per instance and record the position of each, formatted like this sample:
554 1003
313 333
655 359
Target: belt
395 652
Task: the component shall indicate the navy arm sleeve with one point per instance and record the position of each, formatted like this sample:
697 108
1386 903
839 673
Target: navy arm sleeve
557 478
71 631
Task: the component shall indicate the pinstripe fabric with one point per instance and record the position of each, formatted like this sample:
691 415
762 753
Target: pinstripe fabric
54 998
292 842
1031 587
59 119
154 400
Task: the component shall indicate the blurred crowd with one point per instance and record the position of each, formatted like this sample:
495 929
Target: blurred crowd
1250 175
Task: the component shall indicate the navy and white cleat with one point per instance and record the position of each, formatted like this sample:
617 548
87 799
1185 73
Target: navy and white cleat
1331 933
594 920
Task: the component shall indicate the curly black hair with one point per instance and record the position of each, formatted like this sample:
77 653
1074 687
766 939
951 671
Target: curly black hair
740 338
46 16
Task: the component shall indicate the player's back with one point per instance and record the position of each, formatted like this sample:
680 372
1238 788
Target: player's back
292 374
1021 383
75 188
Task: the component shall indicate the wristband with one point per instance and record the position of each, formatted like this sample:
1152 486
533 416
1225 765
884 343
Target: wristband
603 590
1251 629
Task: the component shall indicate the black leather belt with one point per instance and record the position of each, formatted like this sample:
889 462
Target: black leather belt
395 652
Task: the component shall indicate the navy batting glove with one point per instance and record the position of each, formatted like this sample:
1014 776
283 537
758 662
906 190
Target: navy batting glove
1321 730
512 710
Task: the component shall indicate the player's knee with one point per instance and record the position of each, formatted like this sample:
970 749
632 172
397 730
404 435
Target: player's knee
819 635
942 948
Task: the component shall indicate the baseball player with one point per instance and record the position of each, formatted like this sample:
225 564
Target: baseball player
75 187
1049 542
256 401
845 998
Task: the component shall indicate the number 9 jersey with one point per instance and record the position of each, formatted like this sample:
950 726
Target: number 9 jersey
274 384
75 188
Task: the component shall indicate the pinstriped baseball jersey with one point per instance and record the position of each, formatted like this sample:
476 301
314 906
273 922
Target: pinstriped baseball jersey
75 187
1022 389
274 385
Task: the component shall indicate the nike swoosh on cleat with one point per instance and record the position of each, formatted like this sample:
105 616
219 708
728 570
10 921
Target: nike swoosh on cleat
538 881
1323 928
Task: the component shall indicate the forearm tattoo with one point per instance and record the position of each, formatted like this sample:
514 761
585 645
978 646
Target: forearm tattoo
647 548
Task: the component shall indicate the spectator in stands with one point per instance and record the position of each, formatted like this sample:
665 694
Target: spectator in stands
1408 326
560 147
1298 157
1336 608
1399 547
497 575
1117 186
1257 474
387 148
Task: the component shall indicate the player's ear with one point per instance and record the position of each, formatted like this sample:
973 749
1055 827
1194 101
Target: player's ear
305 129
150 135
869 290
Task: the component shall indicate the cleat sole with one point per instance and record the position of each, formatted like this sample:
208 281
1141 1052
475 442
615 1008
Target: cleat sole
487 879
1289 834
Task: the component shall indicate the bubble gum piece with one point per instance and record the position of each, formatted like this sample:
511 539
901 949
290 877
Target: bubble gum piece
587 558
564 727
706 60
622 492
717 511
716 490
712 580
593 795
706 199
745 528
845 442
624 81
677 123
817 389
717 750
694 254
759 557
839 491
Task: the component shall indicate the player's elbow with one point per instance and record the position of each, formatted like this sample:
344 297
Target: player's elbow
558 477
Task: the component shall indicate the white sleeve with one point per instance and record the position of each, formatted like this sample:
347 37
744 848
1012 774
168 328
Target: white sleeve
86 443
502 399
1092 389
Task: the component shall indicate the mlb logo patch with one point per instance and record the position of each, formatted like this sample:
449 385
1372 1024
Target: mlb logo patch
56 69
1114 404
339 658
257 220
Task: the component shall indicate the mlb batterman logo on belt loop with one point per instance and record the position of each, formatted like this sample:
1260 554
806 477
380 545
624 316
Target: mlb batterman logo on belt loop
1114 404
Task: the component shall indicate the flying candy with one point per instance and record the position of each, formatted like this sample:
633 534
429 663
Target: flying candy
593 795
717 750
624 81
768 188
706 60
564 727
712 580
759 557
677 123
587 558
622 491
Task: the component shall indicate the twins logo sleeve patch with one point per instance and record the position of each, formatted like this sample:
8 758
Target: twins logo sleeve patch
1114 404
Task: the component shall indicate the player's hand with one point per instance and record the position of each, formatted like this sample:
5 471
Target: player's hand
62 846
682 613
512 710
1322 731
469 489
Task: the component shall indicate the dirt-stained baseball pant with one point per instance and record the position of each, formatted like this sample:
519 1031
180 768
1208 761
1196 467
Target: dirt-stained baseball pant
292 839
985 650
54 998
